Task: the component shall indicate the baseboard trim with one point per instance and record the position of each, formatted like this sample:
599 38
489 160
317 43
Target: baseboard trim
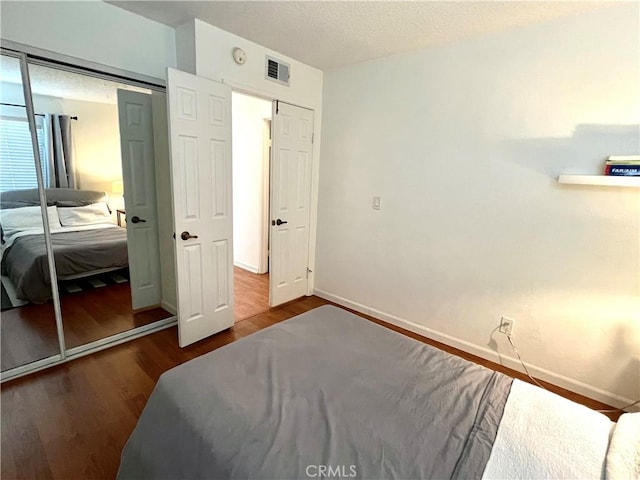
246 266
169 307
557 379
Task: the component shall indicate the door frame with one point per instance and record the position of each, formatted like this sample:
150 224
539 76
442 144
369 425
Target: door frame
263 266
315 165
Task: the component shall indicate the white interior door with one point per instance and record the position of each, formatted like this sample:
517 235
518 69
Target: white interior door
291 159
200 137
138 176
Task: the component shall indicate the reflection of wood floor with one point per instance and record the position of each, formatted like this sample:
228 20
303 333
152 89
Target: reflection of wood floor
29 332
251 293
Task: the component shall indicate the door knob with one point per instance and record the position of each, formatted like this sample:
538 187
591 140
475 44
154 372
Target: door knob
136 219
186 235
279 222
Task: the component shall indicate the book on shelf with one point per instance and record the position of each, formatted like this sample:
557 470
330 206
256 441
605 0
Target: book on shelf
623 170
623 165
623 158
623 162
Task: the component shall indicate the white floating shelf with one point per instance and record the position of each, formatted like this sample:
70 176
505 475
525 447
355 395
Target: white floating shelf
602 180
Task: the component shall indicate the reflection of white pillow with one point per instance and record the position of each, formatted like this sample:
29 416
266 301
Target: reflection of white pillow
87 215
16 219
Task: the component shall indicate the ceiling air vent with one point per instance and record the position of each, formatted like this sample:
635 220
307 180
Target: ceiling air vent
277 71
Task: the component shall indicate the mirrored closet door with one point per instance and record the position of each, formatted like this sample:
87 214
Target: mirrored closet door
28 322
105 179
102 158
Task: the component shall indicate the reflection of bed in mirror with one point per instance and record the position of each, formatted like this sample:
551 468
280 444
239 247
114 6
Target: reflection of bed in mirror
85 240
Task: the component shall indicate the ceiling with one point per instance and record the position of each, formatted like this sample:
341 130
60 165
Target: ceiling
328 34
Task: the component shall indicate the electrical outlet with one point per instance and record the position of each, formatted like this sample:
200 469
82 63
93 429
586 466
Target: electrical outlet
506 325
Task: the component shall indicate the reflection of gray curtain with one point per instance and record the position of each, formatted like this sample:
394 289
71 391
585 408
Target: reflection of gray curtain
62 171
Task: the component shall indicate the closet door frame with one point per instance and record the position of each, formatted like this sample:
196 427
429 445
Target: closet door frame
31 120
26 55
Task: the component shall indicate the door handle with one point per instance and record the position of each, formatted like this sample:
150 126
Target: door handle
278 222
186 235
136 219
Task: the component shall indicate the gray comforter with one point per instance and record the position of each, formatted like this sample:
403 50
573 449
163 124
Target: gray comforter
325 392
25 261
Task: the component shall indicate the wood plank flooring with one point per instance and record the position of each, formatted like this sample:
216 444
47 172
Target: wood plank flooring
28 333
251 293
71 421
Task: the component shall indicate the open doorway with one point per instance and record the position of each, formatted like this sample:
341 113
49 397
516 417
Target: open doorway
251 143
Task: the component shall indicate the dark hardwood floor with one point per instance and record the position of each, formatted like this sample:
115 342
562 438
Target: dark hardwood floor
71 421
29 332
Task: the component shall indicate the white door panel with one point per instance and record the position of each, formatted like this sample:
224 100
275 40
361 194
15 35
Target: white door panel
200 135
138 175
290 201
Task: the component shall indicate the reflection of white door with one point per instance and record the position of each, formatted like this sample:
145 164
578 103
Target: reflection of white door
291 157
138 175
200 136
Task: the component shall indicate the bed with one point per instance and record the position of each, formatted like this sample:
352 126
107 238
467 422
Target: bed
85 241
330 394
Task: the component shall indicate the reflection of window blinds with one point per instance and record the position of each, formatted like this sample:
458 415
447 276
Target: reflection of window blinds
17 166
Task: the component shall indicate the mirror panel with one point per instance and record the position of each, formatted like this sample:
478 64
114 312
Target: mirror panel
27 321
101 168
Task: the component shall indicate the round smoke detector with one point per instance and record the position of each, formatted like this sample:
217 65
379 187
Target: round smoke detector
239 56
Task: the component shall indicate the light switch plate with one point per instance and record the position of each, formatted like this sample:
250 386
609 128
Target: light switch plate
376 203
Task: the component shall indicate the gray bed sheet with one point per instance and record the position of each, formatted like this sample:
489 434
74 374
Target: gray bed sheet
25 262
325 391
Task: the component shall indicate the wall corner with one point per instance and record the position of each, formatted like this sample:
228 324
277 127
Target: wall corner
185 35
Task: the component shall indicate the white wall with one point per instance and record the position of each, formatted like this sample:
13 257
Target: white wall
186 47
96 137
91 30
464 143
213 60
249 172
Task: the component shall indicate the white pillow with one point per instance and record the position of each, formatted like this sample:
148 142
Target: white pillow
86 215
17 219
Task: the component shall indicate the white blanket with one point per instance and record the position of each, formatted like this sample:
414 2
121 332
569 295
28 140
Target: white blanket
543 435
623 459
